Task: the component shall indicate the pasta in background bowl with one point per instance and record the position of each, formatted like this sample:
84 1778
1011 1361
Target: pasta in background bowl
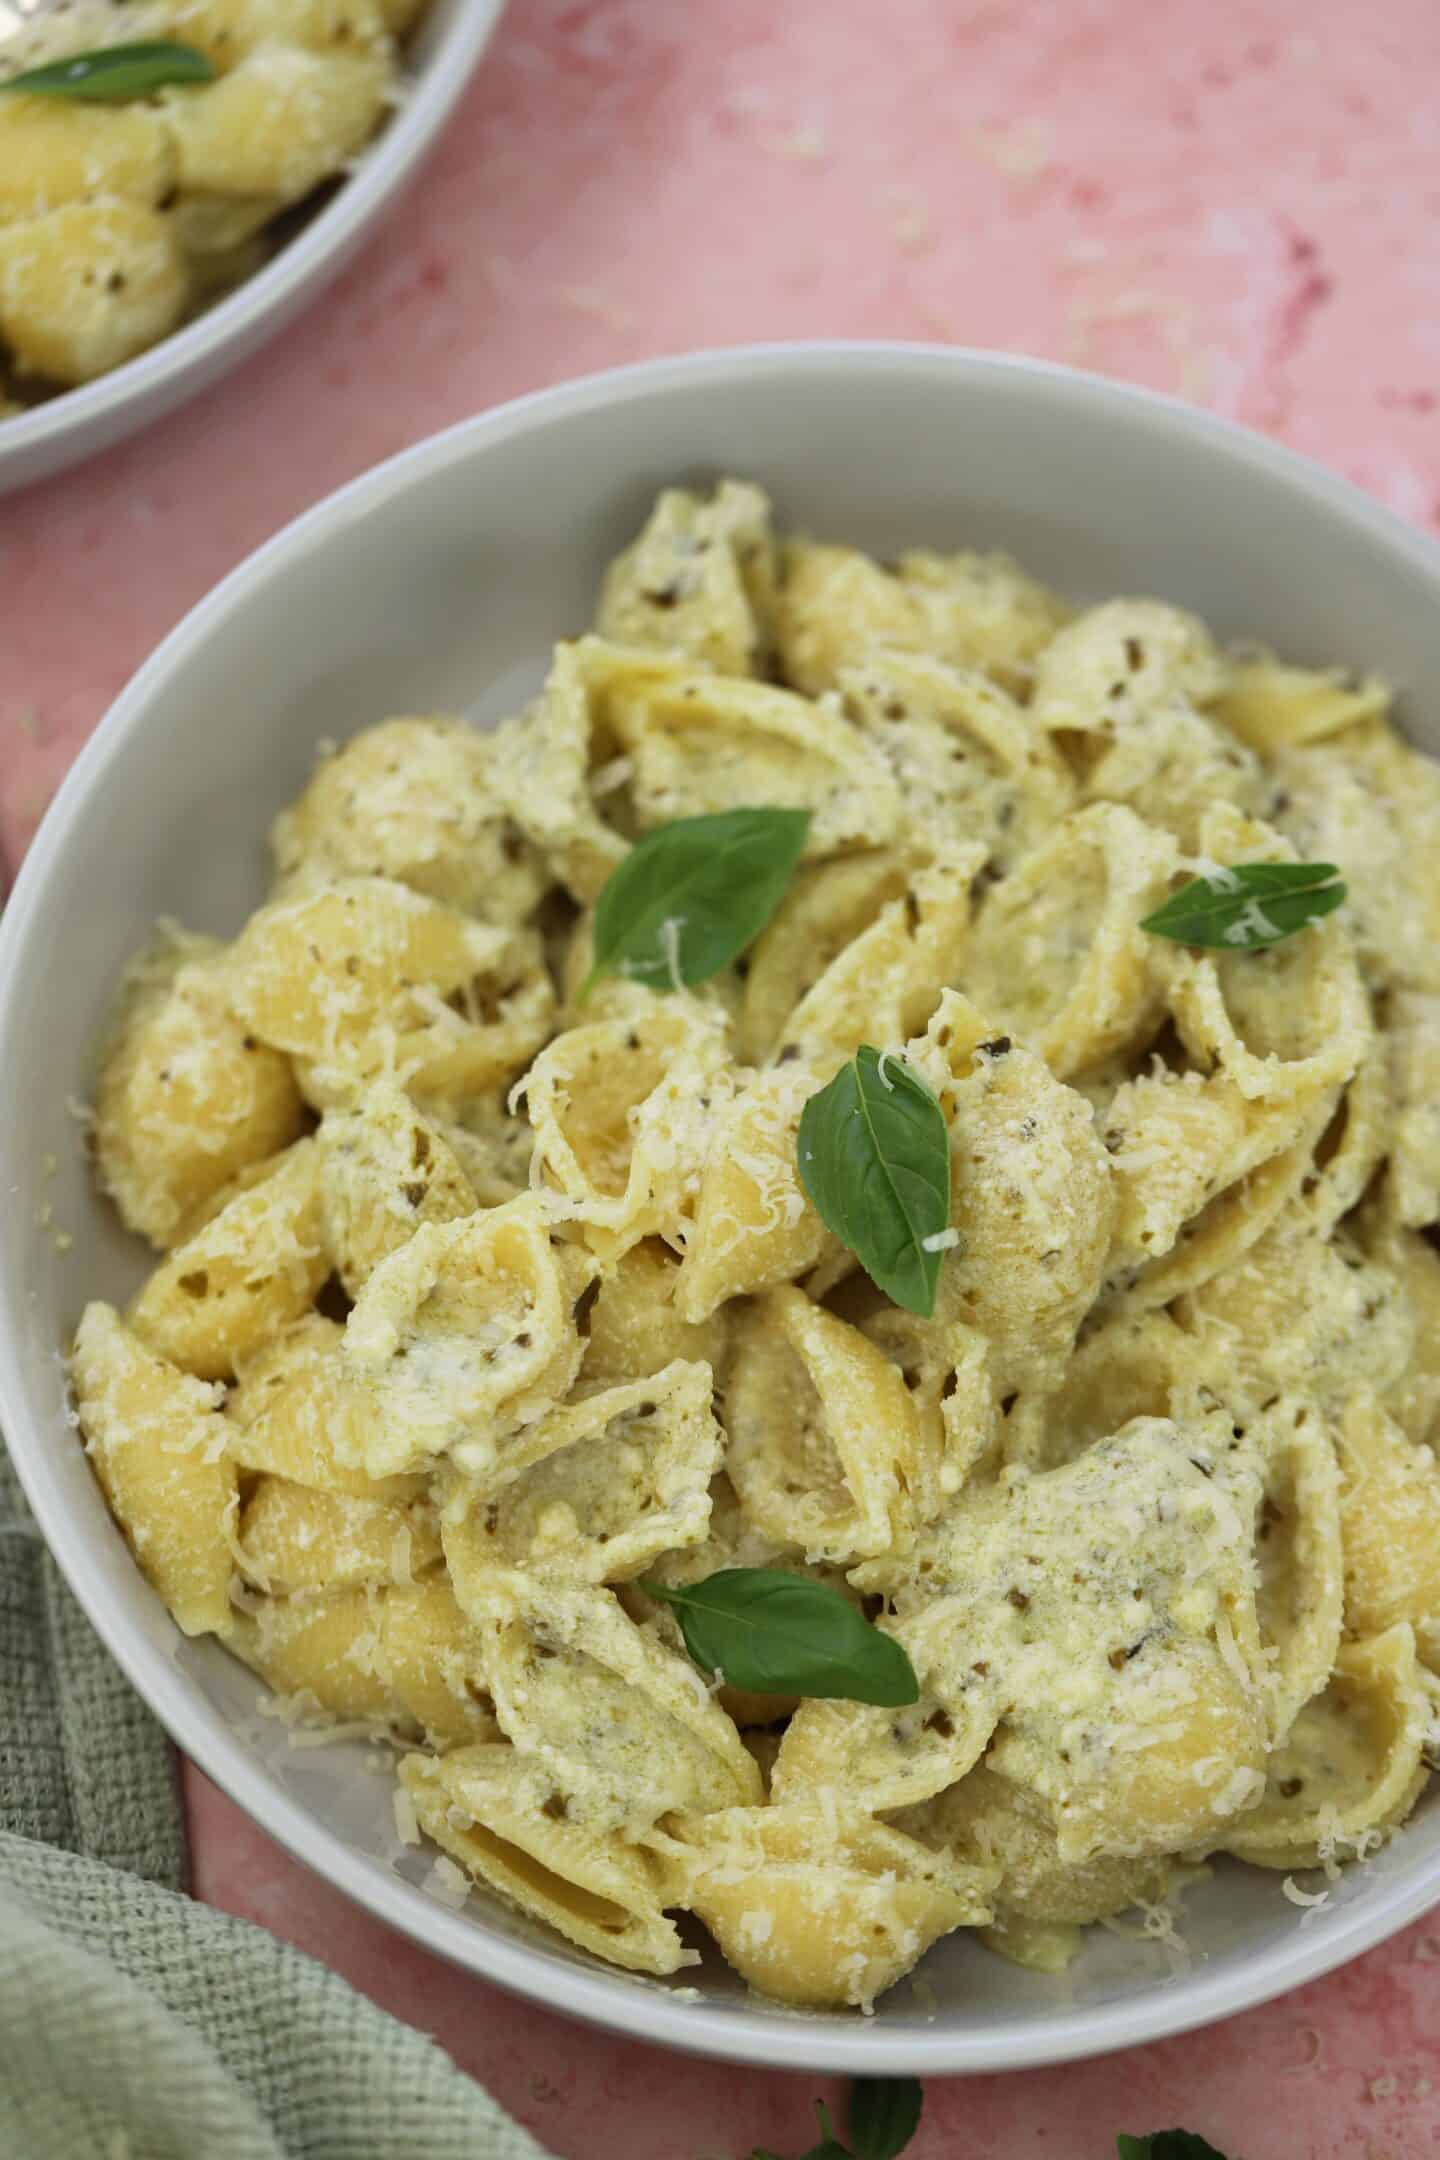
174 215
1208 1133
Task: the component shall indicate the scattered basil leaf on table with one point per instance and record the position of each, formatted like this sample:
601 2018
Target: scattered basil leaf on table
874 1157
1249 906
773 1633
690 896
884 2116
115 72
1167 2145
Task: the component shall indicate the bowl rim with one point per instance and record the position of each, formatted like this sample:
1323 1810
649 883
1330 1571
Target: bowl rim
775 2037
37 438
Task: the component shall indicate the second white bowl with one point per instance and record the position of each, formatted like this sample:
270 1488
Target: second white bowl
79 422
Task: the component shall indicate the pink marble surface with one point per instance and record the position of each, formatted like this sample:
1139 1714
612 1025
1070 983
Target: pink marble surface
1239 203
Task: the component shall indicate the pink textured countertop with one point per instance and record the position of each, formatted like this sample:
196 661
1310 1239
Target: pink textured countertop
1239 203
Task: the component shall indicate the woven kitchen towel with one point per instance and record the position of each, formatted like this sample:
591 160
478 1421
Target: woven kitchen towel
134 2023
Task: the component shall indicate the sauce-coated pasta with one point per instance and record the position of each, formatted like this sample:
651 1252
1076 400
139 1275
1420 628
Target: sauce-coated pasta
489 1295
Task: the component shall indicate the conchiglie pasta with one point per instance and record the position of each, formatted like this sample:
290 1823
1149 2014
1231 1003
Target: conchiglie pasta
1390 1518
884 985
157 1443
836 606
293 1537
186 1098
295 1413
1172 766
323 1652
411 800
824 1440
1056 955
85 287
1411 1395
828 904
384 1169
1291 1018
969 762
226 30
1032 1196
355 978
1040 1901
1132 1364
624 1113
1114 667
506 1821
1300 1593
825 1907
1352 1765
754 1226
1368 802
544 763
700 744
624 1725
249 1272
624 1476
1273 707
632 1326
461 1340
53 153
279 122
1302 1315
945 1365
1176 1140
430 1659
1413 1042
700 580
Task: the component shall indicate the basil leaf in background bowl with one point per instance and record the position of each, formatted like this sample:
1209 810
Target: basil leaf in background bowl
1248 906
773 1633
874 1157
690 896
115 72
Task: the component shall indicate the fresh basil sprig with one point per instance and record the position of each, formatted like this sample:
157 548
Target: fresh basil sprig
115 72
690 896
1249 906
774 1633
874 1157
884 2116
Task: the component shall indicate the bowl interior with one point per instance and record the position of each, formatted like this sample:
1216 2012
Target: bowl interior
441 582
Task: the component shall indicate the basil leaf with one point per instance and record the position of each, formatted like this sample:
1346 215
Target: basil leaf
115 72
874 1156
690 896
1167 2145
884 2116
1249 906
773 1633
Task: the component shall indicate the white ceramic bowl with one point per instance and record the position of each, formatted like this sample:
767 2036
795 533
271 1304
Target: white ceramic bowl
81 421
441 580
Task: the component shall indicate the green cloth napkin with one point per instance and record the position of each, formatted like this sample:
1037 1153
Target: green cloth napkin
134 2023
